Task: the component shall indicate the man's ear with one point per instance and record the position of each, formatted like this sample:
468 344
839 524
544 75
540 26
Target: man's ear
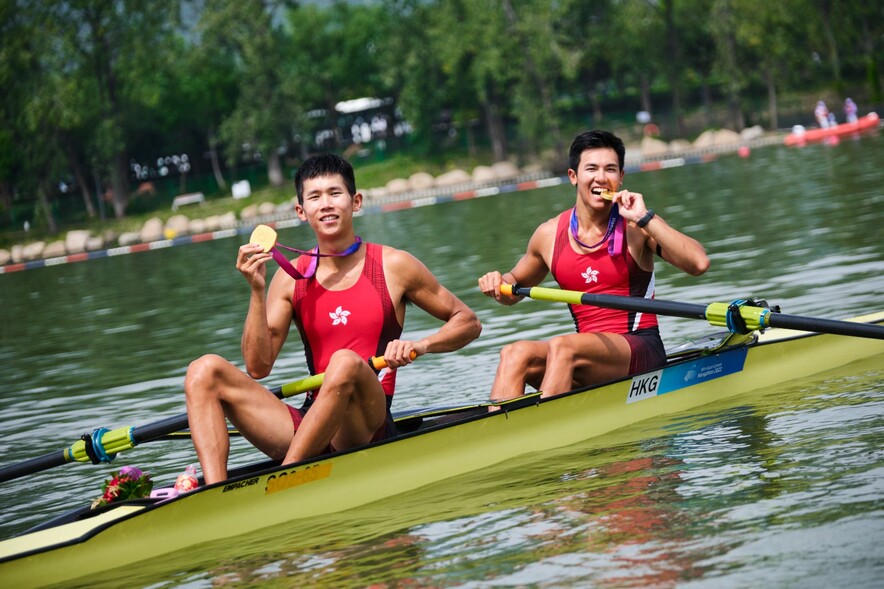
300 211
357 201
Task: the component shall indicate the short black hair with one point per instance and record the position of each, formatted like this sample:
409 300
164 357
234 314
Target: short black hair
595 140
324 164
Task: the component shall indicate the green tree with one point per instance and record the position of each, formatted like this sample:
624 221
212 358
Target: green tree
17 64
333 55
634 37
261 123
768 43
415 73
537 76
475 48
200 92
116 49
723 27
40 119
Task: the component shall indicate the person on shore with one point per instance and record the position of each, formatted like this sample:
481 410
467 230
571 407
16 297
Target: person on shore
821 112
347 299
599 246
850 110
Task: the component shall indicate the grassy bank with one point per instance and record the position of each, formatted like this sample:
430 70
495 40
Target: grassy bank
370 173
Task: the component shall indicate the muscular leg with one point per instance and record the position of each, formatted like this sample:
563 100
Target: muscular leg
215 388
350 408
521 363
582 359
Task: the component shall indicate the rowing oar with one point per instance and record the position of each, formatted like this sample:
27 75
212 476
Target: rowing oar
739 316
103 444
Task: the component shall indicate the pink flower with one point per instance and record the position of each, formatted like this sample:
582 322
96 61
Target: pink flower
128 483
131 472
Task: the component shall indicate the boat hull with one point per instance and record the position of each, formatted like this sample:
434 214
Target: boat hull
870 121
131 533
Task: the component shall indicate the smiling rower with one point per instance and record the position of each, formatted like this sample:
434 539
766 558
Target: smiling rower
347 299
604 244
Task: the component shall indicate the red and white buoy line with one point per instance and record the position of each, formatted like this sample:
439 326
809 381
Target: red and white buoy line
398 203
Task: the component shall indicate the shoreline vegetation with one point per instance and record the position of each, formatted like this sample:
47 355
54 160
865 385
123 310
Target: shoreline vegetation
193 215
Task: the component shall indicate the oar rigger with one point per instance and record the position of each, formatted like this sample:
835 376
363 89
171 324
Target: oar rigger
742 315
101 445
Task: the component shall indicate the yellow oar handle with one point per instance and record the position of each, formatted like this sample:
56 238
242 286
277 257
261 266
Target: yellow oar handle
311 383
506 289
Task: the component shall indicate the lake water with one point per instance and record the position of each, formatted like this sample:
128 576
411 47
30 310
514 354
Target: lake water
783 488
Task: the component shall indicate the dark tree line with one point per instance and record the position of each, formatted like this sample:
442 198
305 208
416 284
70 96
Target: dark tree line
93 87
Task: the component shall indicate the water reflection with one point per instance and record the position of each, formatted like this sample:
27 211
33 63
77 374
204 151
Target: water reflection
692 500
723 496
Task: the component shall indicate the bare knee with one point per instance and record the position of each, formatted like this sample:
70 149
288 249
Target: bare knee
202 374
561 350
516 355
342 370
346 361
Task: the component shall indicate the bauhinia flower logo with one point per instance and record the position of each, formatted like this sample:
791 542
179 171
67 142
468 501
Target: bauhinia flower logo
128 483
339 316
590 275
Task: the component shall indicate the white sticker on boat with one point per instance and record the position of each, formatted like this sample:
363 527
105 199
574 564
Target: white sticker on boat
680 376
644 386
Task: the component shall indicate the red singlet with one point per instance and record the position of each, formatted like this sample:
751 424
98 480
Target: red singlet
361 318
600 272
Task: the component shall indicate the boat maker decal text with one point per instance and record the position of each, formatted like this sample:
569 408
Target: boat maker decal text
294 478
680 376
241 484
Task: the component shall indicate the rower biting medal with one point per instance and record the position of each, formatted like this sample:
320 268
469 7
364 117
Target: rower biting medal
608 193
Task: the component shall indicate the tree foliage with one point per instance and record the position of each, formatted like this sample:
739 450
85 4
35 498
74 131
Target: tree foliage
96 90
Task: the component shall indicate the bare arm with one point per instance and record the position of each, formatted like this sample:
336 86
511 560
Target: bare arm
268 319
683 252
421 287
530 270
680 250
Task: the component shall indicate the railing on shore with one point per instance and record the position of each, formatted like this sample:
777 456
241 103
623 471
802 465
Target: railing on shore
410 199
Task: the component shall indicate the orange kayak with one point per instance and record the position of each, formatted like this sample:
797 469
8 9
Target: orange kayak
870 121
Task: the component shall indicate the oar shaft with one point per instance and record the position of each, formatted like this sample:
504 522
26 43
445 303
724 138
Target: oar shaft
122 439
45 462
639 305
715 313
832 326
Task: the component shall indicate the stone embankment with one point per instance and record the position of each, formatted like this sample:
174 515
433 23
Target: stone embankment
420 188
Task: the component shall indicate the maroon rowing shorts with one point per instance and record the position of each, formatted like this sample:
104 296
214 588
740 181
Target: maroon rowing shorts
647 350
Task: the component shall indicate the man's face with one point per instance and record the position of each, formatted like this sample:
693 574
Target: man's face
599 170
328 203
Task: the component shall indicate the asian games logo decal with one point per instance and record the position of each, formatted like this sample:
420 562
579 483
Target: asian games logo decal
339 316
590 275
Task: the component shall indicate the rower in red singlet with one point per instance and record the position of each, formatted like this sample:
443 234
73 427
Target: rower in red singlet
348 304
605 244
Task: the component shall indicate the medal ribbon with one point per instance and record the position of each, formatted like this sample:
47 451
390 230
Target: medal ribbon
311 269
615 228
